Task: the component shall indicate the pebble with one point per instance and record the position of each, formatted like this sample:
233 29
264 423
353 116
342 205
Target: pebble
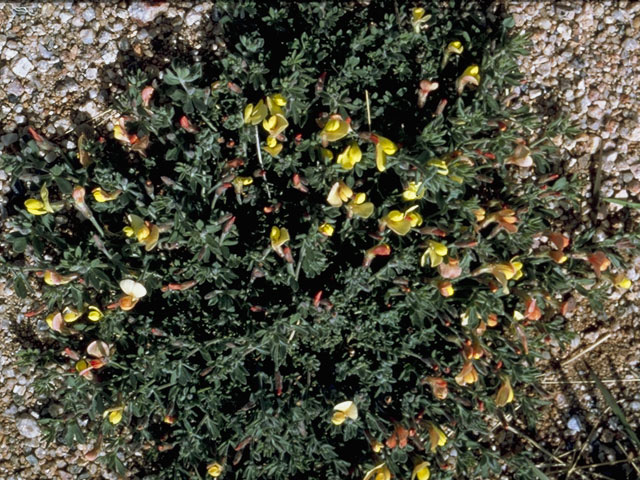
87 36
574 424
22 67
28 427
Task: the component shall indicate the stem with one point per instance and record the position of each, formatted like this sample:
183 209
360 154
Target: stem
266 184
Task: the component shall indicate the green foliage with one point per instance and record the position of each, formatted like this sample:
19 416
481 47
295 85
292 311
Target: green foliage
240 350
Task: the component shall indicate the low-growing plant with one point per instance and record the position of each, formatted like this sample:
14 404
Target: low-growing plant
330 251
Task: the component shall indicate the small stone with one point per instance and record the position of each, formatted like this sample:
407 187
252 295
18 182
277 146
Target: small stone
574 424
104 37
91 73
77 22
15 88
8 53
22 67
634 187
144 12
635 406
630 44
622 194
535 93
192 18
544 69
32 460
89 14
20 389
631 135
610 157
65 17
110 55
87 36
544 23
28 427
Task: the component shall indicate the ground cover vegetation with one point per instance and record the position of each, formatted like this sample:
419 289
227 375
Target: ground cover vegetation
326 252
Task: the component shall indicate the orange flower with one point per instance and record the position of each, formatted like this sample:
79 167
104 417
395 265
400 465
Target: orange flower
446 289
467 375
382 250
599 262
439 387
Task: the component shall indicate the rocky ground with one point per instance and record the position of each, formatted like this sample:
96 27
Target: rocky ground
61 63
584 64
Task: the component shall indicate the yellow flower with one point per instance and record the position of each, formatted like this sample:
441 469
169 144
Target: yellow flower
114 414
278 237
418 18
41 207
359 206
480 214
415 219
376 446
273 147
326 153
454 48
413 192
144 231
53 278
253 115
340 192
335 129
437 437
133 291
240 182
436 253
35 207
344 410
95 314
504 394
275 124
384 147
440 164
55 322
622 281
326 229
275 103
71 314
503 272
120 134
471 75
421 471
467 375
350 156
214 469
379 472
402 222
101 196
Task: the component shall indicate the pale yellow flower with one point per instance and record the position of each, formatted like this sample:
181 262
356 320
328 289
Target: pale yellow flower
344 410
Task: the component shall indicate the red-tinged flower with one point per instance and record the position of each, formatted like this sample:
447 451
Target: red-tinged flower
558 256
423 91
187 125
532 311
450 269
382 250
439 387
559 241
492 320
446 289
316 299
146 94
599 262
